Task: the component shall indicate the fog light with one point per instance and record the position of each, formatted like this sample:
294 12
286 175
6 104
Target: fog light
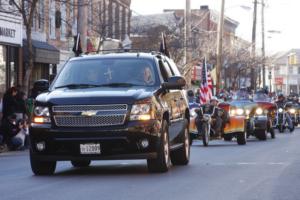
144 143
40 146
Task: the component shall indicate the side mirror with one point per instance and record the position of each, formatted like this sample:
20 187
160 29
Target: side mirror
174 82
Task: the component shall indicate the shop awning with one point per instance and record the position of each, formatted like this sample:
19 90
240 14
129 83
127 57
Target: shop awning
42 51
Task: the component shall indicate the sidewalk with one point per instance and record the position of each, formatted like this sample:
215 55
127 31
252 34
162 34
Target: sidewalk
4 150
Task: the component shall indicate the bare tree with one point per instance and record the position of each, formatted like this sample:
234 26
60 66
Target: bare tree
27 9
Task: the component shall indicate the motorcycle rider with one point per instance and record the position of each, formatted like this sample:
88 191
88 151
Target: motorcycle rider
217 122
281 102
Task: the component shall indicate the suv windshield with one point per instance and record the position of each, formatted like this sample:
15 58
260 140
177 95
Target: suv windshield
110 72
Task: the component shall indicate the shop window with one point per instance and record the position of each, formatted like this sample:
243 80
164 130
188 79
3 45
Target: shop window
2 70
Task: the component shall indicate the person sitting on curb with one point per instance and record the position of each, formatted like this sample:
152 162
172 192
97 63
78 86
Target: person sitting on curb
19 141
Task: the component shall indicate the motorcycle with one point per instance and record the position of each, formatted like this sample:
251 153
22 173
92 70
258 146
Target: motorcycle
206 119
205 114
294 113
282 114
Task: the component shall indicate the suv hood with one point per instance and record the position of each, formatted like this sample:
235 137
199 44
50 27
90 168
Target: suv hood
92 96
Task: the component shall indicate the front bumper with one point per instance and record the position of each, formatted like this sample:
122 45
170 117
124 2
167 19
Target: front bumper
236 124
115 143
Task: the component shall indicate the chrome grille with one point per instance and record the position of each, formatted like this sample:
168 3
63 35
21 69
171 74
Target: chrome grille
80 108
78 115
95 121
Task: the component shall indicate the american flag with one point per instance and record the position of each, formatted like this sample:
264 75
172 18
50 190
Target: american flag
206 87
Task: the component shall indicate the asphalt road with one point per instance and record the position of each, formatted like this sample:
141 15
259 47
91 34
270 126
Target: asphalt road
223 170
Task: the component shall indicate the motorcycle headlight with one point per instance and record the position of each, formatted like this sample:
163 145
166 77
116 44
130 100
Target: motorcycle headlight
292 111
140 112
259 111
247 112
280 110
239 111
193 113
232 112
41 115
206 117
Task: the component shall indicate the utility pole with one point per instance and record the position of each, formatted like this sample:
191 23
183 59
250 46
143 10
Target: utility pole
187 40
263 42
253 75
220 47
82 22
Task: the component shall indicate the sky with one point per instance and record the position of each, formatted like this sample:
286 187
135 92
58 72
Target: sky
280 15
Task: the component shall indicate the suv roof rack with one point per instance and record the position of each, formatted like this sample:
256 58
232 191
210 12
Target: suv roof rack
107 51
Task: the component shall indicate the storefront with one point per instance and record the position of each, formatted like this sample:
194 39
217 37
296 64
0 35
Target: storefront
45 58
10 51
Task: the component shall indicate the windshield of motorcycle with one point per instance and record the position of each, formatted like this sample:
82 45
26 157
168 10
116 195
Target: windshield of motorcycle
261 97
241 95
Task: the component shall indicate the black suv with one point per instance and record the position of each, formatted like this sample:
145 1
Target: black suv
113 106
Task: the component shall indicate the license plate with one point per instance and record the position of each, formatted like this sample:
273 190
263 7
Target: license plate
90 149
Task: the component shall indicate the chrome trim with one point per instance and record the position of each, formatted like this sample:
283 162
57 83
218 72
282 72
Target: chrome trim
80 108
87 118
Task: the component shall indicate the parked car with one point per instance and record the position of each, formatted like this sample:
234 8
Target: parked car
113 106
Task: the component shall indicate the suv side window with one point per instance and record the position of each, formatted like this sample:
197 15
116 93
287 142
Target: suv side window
165 74
173 66
168 68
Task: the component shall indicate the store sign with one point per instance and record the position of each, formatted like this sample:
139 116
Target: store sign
278 80
10 30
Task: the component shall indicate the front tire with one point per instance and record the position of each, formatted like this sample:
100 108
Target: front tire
163 162
281 128
241 138
39 167
261 134
79 164
205 134
182 156
272 131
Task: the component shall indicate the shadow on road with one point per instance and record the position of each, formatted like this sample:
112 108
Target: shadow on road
118 169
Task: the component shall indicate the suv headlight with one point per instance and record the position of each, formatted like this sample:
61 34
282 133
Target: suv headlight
280 110
140 112
41 115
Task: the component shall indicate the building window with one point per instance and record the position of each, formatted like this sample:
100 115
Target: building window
52 19
113 20
120 22
290 70
126 21
2 70
63 10
41 15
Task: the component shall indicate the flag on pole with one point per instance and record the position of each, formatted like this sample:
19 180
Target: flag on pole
206 86
163 46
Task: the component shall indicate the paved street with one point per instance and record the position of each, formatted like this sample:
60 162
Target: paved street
224 170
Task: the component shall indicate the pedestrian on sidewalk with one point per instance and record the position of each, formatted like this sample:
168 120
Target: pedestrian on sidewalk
9 103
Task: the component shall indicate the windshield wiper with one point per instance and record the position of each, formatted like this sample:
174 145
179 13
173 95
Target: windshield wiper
75 85
118 85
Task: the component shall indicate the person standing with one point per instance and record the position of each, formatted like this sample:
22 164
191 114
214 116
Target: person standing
9 103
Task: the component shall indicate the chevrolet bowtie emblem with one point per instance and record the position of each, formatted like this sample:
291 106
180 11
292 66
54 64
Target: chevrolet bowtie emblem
89 113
